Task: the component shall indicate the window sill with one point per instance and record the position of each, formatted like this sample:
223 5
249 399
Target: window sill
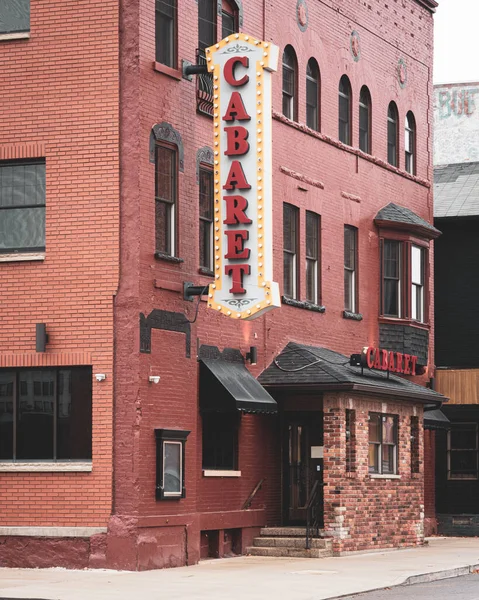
353 316
46 467
220 473
168 257
400 321
22 256
173 73
206 272
21 35
303 304
381 476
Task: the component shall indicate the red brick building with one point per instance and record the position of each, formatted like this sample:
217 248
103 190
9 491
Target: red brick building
134 436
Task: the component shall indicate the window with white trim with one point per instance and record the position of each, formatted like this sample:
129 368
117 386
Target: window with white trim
166 183
170 463
290 250
350 268
383 444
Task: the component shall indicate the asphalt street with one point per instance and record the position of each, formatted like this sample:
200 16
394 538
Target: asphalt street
456 588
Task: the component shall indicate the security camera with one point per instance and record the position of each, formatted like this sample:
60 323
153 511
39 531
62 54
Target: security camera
154 379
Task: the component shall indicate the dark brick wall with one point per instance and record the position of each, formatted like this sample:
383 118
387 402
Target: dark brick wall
457 289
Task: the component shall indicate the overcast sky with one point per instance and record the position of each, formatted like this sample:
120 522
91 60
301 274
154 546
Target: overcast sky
456 47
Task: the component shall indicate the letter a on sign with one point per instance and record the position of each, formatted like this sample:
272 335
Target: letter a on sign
242 67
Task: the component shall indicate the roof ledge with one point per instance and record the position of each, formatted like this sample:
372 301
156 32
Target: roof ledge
430 5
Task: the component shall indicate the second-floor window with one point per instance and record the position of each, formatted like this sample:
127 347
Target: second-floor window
404 280
312 257
290 250
350 268
22 206
229 19
14 16
166 183
206 218
166 27
290 71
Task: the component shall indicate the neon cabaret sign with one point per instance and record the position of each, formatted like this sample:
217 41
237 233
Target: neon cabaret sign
243 213
384 360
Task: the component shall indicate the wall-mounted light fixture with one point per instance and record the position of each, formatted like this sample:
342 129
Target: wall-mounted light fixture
154 379
252 355
41 337
100 376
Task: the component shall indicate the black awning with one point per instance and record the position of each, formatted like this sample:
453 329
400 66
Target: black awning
226 386
436 419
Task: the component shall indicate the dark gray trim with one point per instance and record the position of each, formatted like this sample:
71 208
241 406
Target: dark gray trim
303 304
167 321
353 316
168 257
164 132
298 4
204 156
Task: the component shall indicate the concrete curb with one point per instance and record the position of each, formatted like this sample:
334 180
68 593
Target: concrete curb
445 574
416 579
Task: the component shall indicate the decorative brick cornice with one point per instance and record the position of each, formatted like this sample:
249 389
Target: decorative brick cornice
336 143
18 151
45 359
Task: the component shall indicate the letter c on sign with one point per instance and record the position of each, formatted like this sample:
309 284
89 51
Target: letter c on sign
229 71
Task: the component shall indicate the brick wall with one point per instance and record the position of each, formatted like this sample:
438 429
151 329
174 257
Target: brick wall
59 99
361 510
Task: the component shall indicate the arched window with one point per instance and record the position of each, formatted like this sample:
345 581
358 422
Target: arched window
345 110
410 143
290 72
365 120
312 94
393 135
229 19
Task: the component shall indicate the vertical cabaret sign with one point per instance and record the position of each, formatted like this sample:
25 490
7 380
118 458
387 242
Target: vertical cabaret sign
243 208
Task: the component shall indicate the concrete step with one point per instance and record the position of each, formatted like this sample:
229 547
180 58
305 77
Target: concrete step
290 542
289 552
284 531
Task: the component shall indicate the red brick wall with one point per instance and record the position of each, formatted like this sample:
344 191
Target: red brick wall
361 510
59 98
430 481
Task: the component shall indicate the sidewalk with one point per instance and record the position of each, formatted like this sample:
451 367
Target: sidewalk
248 578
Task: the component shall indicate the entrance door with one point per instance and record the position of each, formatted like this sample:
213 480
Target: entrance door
303 463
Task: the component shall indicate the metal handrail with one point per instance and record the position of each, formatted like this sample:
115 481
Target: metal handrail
313 510
250 498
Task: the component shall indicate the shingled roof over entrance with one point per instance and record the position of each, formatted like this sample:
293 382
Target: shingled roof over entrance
404 218
299 366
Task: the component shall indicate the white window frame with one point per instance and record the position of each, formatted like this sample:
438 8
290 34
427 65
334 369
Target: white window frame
179 493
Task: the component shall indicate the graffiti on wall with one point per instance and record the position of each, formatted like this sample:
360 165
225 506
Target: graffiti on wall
453 102
456 123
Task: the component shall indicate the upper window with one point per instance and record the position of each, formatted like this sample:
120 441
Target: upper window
166 27
312 257
404 280
383 444
166 181
365 120
229 19
462 451
410 144
46 414
22 206
345 110
290 250
393 154
220 441
312 94
206 24
14 16
290 72
206 217
350 268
